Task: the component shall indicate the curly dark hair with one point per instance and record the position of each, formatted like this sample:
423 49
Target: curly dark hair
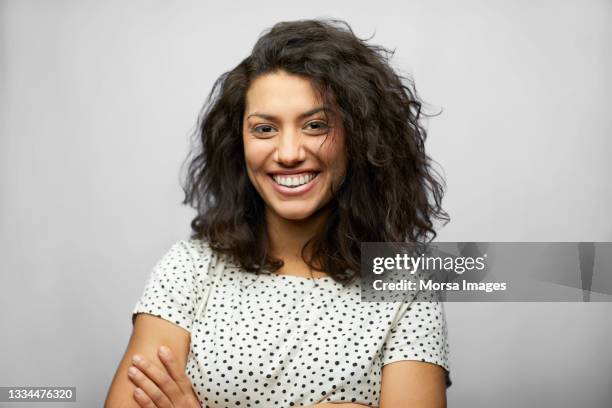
391 192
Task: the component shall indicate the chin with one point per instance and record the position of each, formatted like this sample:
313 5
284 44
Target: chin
294 214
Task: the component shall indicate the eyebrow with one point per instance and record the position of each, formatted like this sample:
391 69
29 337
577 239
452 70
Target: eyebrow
302 116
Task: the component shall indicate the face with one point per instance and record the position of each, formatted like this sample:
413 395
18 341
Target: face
294 152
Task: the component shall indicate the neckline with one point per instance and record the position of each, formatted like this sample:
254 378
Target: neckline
302 277
295 278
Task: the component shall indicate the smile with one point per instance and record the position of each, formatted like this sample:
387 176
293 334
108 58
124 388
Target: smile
294 180
294 184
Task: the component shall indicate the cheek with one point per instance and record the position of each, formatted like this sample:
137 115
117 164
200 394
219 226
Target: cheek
334 156
254 156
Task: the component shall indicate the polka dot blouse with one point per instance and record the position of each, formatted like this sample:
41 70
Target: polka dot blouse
280 341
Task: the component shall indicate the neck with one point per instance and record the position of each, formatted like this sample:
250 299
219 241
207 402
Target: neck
287 237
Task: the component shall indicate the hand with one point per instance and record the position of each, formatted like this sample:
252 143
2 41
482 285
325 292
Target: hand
160 389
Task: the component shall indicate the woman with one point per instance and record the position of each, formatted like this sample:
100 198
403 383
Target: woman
307 148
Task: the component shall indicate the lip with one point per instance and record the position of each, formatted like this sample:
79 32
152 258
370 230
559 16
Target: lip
290 172
294 191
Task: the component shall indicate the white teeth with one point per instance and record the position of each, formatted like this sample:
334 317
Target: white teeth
293 181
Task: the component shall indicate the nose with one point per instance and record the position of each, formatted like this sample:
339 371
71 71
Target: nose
289 150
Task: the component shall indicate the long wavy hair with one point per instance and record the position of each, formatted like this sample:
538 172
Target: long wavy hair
391 192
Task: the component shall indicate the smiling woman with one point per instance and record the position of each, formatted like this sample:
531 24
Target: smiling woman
310 146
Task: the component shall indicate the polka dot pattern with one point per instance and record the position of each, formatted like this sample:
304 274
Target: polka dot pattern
278 340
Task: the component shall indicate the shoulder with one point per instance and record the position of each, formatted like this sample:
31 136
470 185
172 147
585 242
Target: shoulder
200 255
194 248
192 256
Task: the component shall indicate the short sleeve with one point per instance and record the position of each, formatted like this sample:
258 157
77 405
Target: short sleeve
171 290
419 333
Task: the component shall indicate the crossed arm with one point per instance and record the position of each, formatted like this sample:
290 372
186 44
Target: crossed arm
404 384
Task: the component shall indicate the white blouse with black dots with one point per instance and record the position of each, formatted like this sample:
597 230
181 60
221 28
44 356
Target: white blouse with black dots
280 341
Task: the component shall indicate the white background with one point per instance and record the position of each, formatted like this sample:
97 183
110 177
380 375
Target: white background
97 102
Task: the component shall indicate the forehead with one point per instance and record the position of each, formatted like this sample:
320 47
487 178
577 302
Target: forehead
281 93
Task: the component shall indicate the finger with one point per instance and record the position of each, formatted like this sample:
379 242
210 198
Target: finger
176 371
158 398
164 381
142 399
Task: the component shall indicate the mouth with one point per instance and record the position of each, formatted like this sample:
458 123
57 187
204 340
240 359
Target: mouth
294 184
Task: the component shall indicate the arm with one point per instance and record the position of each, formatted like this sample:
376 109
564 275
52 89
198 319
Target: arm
412 384
149 333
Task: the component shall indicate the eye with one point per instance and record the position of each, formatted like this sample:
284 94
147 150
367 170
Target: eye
262 130
318 127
